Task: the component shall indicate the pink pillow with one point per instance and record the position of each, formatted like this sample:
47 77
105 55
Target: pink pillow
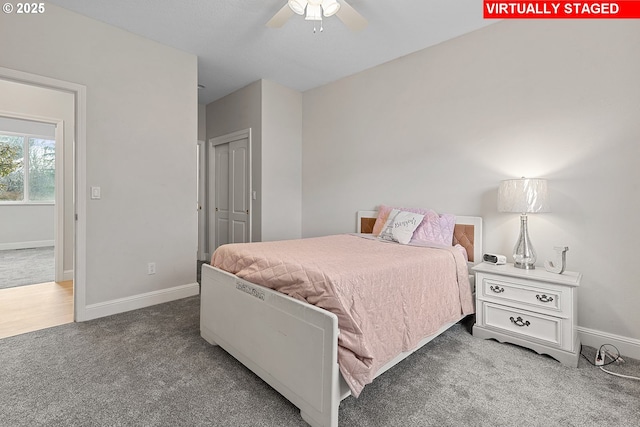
383 215
434 228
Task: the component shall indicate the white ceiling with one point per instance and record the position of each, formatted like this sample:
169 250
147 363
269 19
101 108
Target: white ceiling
235 48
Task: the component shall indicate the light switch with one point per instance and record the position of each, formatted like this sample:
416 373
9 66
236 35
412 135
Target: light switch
95 193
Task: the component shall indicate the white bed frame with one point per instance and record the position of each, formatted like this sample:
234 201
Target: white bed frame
291 345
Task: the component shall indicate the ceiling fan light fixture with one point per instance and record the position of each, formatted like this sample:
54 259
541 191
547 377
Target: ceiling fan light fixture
314 12
330 7
298 6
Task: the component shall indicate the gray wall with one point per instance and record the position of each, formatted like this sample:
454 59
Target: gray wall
202 122
442 127
141 130
281 162
26 226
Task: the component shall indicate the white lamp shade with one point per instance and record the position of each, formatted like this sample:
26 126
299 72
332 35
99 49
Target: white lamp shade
523 195
314 12
298 6
330 7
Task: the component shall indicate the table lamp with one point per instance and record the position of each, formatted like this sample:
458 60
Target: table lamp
523 196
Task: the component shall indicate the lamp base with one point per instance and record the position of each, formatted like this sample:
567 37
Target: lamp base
524 256
524 266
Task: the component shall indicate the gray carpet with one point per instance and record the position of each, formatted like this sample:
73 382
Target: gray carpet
19 267
150 367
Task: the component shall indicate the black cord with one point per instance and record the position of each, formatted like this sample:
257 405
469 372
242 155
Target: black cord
585 357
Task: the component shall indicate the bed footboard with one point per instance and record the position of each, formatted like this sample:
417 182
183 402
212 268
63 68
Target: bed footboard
291 345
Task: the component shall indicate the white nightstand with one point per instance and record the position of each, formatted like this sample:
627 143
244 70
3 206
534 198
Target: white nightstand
532 308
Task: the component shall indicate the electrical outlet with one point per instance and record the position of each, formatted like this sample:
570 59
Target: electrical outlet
151 268
599 358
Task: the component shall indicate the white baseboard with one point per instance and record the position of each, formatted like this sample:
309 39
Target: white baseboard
102 309
67 275
26 245
627 346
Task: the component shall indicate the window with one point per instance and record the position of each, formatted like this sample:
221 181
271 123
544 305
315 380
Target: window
27 168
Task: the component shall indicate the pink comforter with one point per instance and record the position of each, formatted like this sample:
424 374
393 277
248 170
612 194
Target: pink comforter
387 296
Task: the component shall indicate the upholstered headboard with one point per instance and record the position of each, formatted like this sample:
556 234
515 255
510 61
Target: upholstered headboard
467 232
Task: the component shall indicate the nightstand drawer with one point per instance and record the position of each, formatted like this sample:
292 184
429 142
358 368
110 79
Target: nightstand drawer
546 329
551 300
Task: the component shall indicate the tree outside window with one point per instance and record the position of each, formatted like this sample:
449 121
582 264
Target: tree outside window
42 170
27 169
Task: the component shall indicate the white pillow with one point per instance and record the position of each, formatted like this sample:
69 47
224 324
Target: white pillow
400 226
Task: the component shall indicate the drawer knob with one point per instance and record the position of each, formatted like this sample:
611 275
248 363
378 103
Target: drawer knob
544 298
496 289
519 321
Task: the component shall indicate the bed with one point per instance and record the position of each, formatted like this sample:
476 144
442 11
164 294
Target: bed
294 346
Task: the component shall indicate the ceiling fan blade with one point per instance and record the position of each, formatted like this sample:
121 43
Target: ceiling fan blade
350 17
281 17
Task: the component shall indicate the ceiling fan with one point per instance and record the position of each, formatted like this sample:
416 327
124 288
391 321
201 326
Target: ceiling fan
316 9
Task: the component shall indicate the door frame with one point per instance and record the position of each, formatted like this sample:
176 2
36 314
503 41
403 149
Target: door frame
202 201
79 93
220 140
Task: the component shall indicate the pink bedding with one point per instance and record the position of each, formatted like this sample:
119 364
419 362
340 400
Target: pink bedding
387 296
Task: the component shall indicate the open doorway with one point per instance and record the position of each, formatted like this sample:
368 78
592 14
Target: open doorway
27 201
34 100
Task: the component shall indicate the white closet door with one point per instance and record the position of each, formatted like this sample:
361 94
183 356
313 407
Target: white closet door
231 184
221 194
239 191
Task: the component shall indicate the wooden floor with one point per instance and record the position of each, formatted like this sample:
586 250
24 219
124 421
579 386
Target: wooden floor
34 307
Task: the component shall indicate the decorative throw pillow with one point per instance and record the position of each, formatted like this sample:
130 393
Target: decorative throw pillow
400 226
434 228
